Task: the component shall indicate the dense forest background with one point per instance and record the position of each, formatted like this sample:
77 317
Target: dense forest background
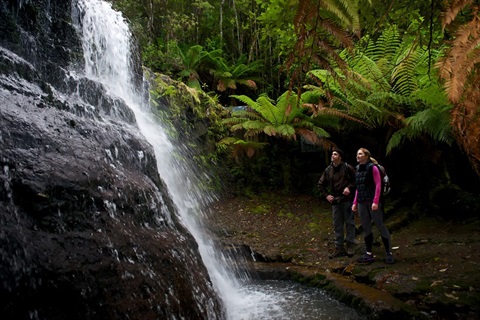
262 90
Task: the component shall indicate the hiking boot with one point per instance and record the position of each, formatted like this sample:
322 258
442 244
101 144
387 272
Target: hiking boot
339 252
389 258
350 249
366 258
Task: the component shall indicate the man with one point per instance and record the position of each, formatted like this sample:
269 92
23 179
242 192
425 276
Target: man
337 183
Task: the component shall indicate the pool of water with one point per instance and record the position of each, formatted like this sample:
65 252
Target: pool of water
274 300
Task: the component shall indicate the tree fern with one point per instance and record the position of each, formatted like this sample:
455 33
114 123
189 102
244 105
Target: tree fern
460 69
286 119
434 122
386 82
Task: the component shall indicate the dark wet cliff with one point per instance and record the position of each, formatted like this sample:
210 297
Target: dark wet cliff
88 230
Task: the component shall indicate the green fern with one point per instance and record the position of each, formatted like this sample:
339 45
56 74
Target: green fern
345 10
286 119
386 81
433 122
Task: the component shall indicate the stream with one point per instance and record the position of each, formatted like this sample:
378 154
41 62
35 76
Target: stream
273 300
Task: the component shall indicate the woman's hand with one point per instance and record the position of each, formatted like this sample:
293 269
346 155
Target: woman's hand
374 206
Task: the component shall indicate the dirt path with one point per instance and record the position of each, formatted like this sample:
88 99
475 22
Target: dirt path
437 263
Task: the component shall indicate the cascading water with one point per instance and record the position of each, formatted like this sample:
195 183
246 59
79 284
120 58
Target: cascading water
108 59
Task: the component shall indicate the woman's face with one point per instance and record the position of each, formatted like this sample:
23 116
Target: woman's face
361 157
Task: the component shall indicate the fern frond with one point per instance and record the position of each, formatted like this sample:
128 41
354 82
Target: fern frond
245 99
453 9
306 124
386 46
334 112
248 83
253 132
385 99
396 140
267 109
329 83
318 38
321 132
228 141
236 127
404 80
286 131
250 143
247 147
244 115
370 72
457 65
310 136
434 122
388 43
270 130
432 95
253 125
345 11
233 121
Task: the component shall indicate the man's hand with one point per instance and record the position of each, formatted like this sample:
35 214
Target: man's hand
346 191
330 198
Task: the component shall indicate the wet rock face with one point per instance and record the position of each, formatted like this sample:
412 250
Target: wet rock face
87 228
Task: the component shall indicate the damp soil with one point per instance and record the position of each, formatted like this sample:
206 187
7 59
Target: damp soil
436 274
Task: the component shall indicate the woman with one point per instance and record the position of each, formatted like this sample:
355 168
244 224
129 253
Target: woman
367 202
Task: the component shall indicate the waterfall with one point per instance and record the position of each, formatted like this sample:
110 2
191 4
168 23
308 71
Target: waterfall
107 46
109 59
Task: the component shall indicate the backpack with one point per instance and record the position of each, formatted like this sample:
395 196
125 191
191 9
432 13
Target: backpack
385 179
383 175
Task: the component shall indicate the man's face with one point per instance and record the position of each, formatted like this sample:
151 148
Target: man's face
336 157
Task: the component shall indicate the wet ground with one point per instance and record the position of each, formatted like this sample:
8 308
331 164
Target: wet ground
437 263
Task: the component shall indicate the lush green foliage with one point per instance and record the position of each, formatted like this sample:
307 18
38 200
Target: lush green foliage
286 119
359 66
388 84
